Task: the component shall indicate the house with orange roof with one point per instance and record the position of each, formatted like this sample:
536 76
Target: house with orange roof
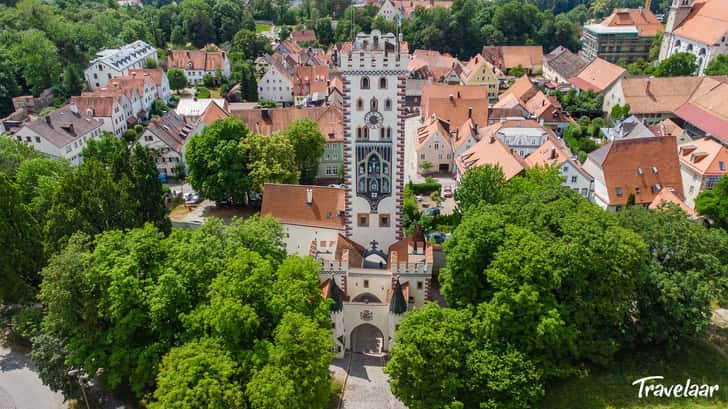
304 36
167 137
533 103
506 57
561 64
703 162
276 84
554 153
670 197
634 169
521 136
455 103
706 112
139 90
159 80
196 64
394 10
111 107
431 65
699 27
489 151
310 85
626 35
478 71
434 146
598 76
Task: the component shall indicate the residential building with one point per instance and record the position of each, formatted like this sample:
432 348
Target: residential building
193 108
395 10
626 35
370 270
699 27
521 136
670 197
703 162
506 57
489 151
706 112
304 36
276 85
554 153
634 169
115 62
598 76
139 91
653 100
166 137
455 103
431 65
196 64
62 133
561 64
630 127
434 146
310 85
112 107
413 94
528 101
478 71
330 120
669 127
262 65
159 80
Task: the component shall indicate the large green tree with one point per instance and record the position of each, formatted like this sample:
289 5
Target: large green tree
677 65
480 184
218 163
273 160
713 203
308 145
718 66
37 59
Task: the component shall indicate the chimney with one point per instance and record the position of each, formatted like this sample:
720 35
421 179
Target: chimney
452 98
48 120
74 108
553 153
492 139
309 196
647 85
458 94
432 3
470 112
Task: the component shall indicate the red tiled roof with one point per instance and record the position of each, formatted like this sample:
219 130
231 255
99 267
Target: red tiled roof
303 35
203 59
451 102
330 120
597 76
288 203
504 57
707 23
642 19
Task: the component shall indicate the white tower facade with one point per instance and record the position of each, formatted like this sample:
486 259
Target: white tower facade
375 72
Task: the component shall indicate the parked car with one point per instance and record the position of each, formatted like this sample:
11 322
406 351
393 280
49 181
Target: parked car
163 178
437 237
224 202
434 211
192 198
418 198
447 191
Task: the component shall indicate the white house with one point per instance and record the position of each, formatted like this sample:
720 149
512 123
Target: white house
554 153
699 27
160 82
115 62
389 11
62 133
112 107
167 137
276 85
703 162
193 108
198 63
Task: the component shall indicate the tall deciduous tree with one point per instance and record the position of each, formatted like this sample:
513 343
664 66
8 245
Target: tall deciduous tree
38 58
677 65
713 203
273 160
480 184
217 162
308 144
249 44
197 22
177 79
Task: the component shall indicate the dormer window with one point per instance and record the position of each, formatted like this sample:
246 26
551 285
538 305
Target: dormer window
618 191
654 170
721 166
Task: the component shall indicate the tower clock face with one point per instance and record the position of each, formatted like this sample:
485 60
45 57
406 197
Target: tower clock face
373 119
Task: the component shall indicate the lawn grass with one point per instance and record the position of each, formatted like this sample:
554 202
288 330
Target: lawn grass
611 388
261 28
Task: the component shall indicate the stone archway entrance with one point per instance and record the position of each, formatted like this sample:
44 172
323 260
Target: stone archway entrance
367 339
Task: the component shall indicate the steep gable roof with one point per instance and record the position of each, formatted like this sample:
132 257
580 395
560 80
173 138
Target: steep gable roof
172 129
565 63
288 203
705 156
707 22
490 150
452 102
511 56
64 125
642 19
209 58
597 76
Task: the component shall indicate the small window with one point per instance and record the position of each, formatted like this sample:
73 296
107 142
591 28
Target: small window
387 104
382 83
365 83
721 165
420 285
37 140
333 325
359 104
639 171
383 220
637 190
573 179
654 170
618 191
366 283
373 104
363 219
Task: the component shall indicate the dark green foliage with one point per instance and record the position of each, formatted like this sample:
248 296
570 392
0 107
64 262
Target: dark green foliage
718 66
177 79
426 187
308 145
12 154
713 203
585 102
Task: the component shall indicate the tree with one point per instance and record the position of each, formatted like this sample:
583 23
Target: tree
73 82
324 31
177 79
159 107
308 144
677 65
272 161
199 374
686 271
178 36
479 184
249 44
38 179
147 190
227 16
426 166
197 23
8 83
12 155
217 163
718 66
620 112
19 245
713 203
38 57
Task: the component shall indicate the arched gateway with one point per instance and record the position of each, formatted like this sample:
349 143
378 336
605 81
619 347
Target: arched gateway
367 339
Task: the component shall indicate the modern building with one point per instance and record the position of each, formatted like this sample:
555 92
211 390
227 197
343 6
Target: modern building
699 27
196 64
626 35
62 133
115 62
369 269
703 162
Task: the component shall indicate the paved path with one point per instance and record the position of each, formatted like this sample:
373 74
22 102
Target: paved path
367 387
20 387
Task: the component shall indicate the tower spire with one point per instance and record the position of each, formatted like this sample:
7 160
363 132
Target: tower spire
398 305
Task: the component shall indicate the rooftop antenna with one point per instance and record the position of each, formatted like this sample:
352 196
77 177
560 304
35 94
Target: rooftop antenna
353 22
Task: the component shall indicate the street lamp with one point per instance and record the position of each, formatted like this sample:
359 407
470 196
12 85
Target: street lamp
82 378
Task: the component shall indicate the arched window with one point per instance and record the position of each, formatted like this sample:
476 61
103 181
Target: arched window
373 104
365 83
387 104
359 104
382 83
690 47
678 44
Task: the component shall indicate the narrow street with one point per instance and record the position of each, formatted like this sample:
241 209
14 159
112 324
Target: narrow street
20 386
367 386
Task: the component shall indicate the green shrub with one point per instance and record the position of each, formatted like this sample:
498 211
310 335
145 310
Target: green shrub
26 322
202 92
425 188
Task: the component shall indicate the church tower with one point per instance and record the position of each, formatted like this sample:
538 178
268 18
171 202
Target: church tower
375 70
679 11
